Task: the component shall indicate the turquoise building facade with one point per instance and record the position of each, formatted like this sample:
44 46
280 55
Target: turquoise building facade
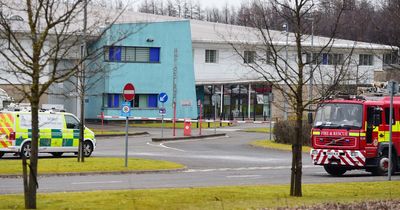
143 54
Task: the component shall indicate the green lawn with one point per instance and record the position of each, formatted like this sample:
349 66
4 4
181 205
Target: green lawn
273 145
92 164
258 130
100 132
244 197
178 125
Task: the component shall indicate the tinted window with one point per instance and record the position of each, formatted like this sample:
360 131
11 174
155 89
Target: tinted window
72 122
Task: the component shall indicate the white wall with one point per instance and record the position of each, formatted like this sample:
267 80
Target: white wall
231 69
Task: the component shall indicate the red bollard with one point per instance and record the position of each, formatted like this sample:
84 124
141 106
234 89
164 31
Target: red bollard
187 128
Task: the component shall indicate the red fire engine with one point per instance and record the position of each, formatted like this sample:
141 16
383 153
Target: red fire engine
353 133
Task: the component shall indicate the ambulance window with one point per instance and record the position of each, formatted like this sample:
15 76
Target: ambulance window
71 122
387 115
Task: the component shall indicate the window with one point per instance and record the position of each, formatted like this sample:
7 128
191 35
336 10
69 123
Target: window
390 58
366 60
114 53
71 122
145 101
313 59
113 100
325 58
211 56
249 56
332 59
132 54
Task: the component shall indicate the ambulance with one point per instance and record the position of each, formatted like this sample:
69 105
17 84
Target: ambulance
59 133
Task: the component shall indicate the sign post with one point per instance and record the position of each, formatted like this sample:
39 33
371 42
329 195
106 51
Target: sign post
128 94
214 102
393 89
162 97
200 121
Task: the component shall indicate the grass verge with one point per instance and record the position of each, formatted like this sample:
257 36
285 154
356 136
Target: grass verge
243 197
92 164
258 130
178 125
99 132
273 145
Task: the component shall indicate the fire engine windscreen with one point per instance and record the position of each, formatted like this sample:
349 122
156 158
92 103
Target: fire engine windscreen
340 116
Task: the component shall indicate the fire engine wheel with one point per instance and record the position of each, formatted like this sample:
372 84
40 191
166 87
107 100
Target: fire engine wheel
57 154
26 150
87 148
334 170
383 166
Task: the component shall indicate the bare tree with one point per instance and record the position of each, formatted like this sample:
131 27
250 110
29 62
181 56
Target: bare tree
37 37
291 75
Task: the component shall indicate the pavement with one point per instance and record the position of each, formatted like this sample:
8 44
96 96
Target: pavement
168 134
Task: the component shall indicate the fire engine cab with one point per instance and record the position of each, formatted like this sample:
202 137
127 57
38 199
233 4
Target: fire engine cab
353 133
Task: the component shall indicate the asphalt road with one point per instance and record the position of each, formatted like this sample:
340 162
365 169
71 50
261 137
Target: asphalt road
218 161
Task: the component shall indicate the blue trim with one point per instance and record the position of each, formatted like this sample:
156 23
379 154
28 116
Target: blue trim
115 53
152 100
154 55
116 100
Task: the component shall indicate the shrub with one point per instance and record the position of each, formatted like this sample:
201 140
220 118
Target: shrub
284 132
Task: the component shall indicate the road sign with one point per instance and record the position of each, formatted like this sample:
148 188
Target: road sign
393 87
162 111
126 109
129 92
163 97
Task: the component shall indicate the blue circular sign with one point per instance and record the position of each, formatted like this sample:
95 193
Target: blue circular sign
163 97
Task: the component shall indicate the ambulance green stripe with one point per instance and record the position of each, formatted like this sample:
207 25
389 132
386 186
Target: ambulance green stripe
45 142
76 133
56 133
68 142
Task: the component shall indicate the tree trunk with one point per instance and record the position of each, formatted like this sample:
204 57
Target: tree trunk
32 182
298 151
293 171
25 179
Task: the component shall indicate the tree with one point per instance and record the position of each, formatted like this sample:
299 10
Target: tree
37 37
290 75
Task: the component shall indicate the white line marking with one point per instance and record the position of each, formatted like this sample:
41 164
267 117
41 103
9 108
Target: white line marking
100 182
243 176
163 146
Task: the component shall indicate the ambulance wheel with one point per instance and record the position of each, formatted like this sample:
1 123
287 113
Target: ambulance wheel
87 148
383 166
334 170
26 150
1 154
57 154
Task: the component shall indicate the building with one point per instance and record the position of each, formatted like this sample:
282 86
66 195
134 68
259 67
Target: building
210 64
147 58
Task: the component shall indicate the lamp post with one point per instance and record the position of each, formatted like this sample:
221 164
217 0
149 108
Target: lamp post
310 92
286 27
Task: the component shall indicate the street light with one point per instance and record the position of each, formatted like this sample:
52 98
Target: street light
310 92
286 28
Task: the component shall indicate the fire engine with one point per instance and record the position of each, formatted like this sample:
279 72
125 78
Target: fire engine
353 133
